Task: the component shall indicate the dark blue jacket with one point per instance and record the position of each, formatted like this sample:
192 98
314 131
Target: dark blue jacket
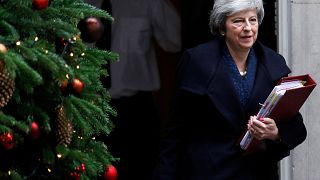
200 142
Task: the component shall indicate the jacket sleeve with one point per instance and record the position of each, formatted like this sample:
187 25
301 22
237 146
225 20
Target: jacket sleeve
166 25
292 133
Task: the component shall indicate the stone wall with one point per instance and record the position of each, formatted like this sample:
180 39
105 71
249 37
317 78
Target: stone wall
305 59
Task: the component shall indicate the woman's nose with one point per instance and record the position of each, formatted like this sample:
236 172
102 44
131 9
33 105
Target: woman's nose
247 25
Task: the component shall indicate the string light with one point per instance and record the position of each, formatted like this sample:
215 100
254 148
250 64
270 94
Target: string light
18 43
67 76
36 38
78 67
82 54
49 170
71 54
9 173
59 156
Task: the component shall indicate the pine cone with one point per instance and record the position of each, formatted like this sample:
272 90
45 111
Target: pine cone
1 65
7 86
64 128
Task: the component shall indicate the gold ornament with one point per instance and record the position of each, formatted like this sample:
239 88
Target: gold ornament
7 86
64 127
3 48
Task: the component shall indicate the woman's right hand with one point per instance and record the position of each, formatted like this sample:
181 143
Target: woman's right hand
265 128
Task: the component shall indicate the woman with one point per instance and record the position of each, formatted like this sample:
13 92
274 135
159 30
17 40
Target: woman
220 86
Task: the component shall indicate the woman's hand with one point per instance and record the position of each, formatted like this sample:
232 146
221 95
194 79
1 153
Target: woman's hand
265 128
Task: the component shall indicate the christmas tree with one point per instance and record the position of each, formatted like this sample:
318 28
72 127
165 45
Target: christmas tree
53 105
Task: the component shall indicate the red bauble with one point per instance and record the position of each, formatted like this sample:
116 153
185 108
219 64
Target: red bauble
77 86
6 139
40 4
64 87
61 45
91 29
110 173
75 175
81 168
34 130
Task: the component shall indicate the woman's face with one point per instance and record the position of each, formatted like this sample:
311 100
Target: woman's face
242 29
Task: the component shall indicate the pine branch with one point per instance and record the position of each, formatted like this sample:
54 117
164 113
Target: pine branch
95 118
79 123
29 78
4 129
12 123
9 33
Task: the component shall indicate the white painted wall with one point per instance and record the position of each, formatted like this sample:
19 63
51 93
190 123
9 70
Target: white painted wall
299 42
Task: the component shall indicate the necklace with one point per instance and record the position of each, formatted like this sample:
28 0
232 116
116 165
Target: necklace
242 74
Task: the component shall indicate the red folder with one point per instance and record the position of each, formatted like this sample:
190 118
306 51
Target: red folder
290 104
287 107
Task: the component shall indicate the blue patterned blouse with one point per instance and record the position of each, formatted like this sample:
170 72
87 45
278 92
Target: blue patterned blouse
242 84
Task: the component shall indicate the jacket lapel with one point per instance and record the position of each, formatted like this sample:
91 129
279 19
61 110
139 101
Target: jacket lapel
261 89
201 71
271 67
222 93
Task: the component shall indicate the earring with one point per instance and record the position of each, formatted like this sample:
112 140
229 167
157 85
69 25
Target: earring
222 34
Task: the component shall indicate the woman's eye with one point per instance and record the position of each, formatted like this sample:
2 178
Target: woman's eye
238 22
253 21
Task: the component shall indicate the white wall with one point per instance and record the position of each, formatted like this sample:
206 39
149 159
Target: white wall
303 48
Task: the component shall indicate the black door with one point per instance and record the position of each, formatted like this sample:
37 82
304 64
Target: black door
195 19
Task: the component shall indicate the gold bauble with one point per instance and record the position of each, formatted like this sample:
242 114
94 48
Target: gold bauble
3 48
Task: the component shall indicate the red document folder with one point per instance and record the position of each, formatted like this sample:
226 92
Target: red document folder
290 104
287 107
